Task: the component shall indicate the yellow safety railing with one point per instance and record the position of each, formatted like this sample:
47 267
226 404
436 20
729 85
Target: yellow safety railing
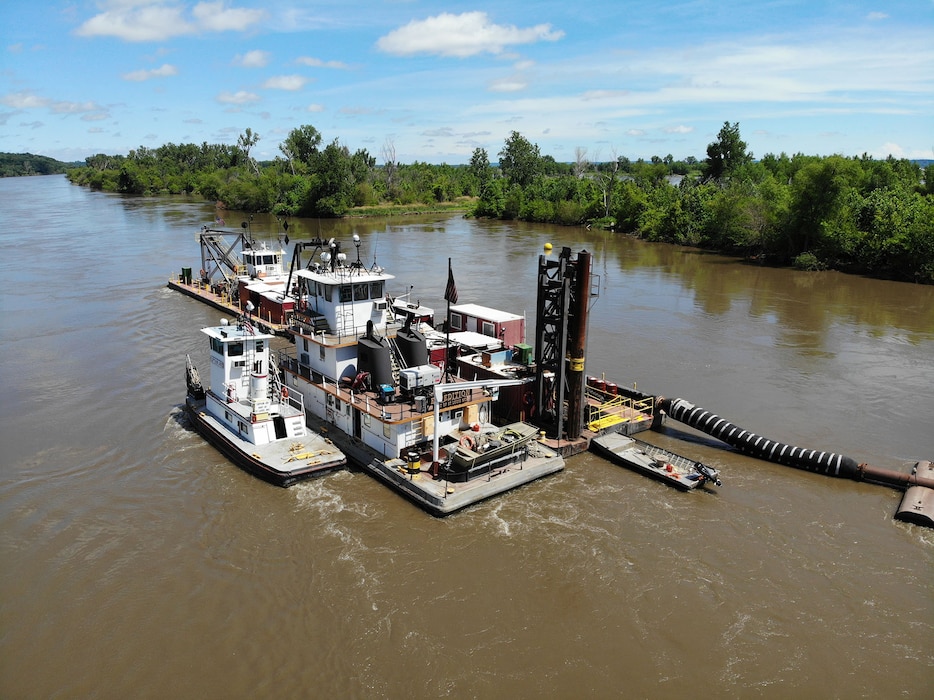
618 409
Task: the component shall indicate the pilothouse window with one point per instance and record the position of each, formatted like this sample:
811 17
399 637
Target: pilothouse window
360 291
234 349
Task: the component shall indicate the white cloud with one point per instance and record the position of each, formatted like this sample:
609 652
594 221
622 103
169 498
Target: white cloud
876 16
65 107
161 72
252 59
238 98
215 17
315 108
463 35
508 85
286 82
148 23
24 100
89 110
681 129
156 20
318 63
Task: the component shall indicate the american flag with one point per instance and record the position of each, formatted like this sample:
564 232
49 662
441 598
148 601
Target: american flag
450 292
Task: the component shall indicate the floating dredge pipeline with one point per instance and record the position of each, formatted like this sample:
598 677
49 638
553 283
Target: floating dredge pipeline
917 507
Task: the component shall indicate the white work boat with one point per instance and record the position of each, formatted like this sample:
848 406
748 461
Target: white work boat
249 415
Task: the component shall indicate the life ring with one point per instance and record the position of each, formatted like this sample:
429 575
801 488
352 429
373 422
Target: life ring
467 441
285 392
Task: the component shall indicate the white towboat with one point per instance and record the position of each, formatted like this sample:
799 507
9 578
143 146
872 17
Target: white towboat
249 415
655 462
371 383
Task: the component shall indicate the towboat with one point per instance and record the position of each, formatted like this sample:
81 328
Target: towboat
249 415
375 379
655 462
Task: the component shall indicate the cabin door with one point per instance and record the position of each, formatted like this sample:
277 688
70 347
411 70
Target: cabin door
279 424
357 427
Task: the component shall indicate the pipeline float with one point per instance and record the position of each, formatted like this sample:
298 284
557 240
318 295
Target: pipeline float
917 505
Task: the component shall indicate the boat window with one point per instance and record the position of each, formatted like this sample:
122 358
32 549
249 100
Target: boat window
234 349
259 346
361 291
321 352
346 292
217 346
376 290
457 321
269 260
488 329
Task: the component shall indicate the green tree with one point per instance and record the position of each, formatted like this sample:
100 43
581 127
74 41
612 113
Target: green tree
301 146
520 160
245 143
332 191
480 171
727 153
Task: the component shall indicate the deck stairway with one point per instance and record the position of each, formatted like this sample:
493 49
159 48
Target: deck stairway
396 361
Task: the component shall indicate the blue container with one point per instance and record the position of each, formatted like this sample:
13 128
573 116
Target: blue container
385 393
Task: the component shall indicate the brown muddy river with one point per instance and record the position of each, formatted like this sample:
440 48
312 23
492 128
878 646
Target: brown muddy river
135 561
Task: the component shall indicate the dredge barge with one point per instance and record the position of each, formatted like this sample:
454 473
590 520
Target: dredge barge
423 408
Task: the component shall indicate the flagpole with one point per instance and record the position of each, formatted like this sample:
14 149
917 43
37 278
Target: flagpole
447 324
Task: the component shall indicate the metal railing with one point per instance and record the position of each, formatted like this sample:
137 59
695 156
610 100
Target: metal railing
613 409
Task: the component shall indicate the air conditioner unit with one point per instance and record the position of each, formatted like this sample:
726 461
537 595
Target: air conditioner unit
380 305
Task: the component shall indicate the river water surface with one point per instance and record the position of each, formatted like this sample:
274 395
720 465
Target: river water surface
138 562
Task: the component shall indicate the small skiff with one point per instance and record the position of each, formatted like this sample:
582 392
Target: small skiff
654 462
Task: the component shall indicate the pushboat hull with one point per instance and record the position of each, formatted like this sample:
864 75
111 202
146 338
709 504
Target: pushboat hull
254 463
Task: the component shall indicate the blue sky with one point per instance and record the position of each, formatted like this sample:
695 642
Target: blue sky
432 81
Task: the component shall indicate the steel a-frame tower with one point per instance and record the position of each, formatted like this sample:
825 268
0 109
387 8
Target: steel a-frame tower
564 292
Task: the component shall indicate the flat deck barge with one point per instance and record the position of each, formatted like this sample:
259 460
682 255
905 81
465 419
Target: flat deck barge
197 289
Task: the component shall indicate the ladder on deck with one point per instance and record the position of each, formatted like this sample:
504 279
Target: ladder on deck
396 361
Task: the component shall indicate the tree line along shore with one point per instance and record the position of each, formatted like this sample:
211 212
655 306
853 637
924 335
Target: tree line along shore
855 214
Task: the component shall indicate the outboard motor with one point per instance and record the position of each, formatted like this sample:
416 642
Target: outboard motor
708 473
